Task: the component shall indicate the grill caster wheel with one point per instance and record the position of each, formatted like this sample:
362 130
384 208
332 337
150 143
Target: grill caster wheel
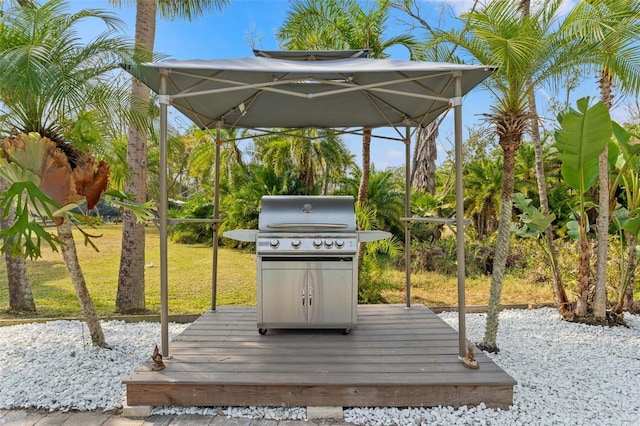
262 331
346 331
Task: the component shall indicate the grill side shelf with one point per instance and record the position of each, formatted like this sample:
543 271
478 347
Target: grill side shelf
245 235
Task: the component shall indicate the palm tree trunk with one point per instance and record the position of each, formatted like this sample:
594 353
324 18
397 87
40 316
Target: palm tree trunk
131 297
424 159
325 185
366 166
502 243
602 229
364 183
70 257
20 295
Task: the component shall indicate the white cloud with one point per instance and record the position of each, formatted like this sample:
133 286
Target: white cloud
458 6
462 6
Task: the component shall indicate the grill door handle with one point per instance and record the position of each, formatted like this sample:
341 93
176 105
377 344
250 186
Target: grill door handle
307 225
303 296
310 295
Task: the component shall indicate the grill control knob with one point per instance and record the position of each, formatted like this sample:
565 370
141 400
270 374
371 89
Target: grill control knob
317 243
295 243
274 243
328 243
339 243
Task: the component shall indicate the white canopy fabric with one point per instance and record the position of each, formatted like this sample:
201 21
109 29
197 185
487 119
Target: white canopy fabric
317 89
285 92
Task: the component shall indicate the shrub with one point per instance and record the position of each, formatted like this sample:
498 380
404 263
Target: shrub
198 207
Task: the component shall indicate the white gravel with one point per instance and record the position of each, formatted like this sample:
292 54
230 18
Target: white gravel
567 373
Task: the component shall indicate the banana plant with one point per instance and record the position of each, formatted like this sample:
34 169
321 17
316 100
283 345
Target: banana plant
583 134
627 218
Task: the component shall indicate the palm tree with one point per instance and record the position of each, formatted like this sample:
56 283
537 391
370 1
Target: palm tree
534 131
608 33
527 51
130 296
425 154
201 146
483 180
310 155
20 294
49 78
385 202
343 24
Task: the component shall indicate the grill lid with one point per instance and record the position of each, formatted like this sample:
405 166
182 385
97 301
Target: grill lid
302 213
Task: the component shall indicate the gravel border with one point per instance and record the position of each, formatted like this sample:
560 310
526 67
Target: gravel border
567 373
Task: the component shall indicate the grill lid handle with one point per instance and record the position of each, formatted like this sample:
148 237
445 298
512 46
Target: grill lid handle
307 225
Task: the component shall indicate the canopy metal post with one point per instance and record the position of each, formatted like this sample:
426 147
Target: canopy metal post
162 216
216 217
407 214
457 109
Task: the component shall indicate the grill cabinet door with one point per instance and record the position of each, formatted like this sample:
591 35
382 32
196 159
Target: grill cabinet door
284 294
330 294
306 293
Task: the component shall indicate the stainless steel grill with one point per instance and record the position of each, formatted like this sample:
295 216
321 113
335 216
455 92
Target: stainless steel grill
307 225
307 257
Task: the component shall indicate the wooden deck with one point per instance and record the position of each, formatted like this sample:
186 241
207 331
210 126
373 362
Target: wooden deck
395 357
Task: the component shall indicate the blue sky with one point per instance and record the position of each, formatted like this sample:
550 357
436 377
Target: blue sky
227 34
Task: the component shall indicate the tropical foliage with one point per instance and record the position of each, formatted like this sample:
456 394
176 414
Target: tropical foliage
51 79
532 47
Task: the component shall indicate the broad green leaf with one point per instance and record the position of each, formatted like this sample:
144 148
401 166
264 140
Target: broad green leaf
64 209
521 202
580 140
26 235
525 232
35 148
613 154
629 144
541 221
532 217
573 230
632 226
13 172
143 212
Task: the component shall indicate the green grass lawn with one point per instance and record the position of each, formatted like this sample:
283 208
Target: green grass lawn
190 274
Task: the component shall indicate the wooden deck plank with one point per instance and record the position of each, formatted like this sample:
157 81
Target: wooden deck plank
458 378
345 396
395 357
249 365
312 358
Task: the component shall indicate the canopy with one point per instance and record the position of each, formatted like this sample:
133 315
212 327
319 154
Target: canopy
318 89
286 92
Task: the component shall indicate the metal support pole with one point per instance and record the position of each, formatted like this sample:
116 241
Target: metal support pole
407 213
457 109
162 216
216 216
